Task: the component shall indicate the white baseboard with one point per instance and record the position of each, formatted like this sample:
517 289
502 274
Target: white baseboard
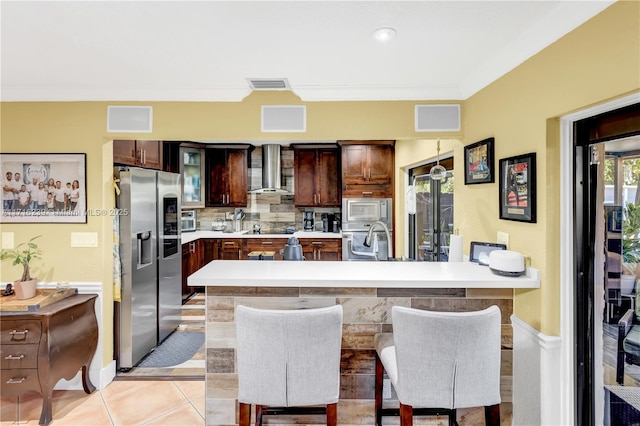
100 376
537 380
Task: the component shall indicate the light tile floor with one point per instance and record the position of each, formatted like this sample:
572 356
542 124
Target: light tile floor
146 402
119 403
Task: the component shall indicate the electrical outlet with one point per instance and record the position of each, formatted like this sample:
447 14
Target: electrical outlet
228 215
503 238
386 389
84 239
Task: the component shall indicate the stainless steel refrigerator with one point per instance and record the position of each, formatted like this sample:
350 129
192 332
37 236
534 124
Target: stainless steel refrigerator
150 253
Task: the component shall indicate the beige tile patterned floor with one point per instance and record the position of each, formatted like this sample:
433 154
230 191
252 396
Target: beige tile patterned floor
146 402
119 403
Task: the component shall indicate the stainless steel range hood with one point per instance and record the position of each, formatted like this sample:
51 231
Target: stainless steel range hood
271 170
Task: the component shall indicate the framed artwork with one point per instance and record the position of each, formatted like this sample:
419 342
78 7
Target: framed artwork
43 188
478 162
518 188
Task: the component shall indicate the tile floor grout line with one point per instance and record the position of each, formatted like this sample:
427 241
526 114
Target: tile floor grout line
164 413
104 403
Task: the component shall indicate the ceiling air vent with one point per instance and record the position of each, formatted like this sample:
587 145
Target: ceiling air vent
268 84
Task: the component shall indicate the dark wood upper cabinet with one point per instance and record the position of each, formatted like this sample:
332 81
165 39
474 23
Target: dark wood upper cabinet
171 157
367 168
141 153
316 176
227 172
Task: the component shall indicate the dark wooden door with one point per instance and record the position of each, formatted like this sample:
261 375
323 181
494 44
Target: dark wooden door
354 160
149 154
216 170
124 152
327 176
304 177
379 164
237 177
231 249
210 249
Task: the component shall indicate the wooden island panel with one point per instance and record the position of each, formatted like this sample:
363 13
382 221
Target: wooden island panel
366 311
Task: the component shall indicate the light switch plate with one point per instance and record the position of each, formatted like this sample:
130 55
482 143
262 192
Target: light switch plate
7 240
84 239
503 238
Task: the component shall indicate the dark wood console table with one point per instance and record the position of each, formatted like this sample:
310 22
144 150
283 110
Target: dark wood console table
40 348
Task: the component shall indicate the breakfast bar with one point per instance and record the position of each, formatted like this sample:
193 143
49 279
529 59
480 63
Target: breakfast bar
366 291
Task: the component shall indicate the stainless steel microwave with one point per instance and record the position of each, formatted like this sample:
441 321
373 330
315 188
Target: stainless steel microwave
188 221
359 213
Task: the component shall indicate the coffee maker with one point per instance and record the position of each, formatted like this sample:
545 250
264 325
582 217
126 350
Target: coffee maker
329 222
308 220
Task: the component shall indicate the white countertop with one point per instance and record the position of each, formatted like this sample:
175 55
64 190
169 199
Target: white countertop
187 237
356 274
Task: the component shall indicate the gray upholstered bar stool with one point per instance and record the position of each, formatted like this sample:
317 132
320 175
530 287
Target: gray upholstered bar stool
440 361
288 361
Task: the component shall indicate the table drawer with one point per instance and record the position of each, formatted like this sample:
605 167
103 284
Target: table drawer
18 356
20 331
19 380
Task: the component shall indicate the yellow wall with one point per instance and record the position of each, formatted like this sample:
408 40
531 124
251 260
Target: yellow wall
596 62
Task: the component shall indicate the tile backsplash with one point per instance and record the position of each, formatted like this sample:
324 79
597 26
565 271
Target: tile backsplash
272 211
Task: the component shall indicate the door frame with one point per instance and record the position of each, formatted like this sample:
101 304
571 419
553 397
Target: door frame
567 382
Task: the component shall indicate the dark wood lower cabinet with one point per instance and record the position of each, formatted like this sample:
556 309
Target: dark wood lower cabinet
192 260
196 254
230 249
264 244
40 348
321 248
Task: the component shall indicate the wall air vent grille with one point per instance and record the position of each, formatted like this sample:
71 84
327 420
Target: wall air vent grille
268 84
129 119
284 118
437 118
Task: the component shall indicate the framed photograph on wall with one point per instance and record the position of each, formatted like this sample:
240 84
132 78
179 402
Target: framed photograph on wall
478 162
518 188
43 188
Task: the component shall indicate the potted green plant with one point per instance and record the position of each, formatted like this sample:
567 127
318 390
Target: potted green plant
23 254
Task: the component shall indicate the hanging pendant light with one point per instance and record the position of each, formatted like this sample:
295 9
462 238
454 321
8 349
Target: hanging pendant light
438 172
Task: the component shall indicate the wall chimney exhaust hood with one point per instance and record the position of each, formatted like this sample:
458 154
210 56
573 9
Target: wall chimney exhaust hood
271 170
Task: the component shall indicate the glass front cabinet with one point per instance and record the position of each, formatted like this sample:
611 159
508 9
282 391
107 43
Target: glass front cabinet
192 171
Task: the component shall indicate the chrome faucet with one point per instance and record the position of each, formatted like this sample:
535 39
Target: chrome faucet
367 240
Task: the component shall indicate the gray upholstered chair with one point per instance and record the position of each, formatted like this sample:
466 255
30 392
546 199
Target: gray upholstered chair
288 359
440 361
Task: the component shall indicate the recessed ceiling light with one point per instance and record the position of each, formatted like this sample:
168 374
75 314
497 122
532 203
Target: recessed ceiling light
384 34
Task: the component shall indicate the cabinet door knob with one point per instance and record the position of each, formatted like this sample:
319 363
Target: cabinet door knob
16 380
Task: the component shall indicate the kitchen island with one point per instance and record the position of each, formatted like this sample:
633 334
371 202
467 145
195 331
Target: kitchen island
366 291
